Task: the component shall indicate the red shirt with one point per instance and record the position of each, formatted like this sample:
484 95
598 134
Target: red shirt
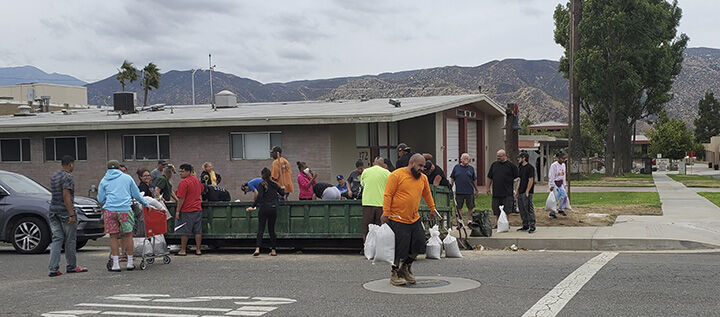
190 189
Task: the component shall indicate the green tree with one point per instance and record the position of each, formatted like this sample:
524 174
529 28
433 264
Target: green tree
628 58
707 124
151 79
525 126
671 138
126 72
592 138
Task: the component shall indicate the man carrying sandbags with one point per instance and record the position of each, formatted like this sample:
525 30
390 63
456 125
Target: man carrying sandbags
403 190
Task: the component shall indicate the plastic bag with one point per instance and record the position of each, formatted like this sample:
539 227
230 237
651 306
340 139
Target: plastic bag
370 241
452 250
384 245
139 248
158 244
433 248
503 225
563 199
550 203
156 204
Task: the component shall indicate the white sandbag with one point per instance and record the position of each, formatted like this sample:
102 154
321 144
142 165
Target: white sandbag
139 249
384 245
550 203
452 250
433 248
370 241
503 224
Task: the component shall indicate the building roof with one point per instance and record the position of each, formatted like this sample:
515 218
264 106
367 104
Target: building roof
548 125
641 139
250 114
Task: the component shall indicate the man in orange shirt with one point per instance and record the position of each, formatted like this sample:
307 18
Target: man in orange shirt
403 190
280 171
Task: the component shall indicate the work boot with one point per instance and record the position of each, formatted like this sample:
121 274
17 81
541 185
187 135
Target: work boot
395 278
406 274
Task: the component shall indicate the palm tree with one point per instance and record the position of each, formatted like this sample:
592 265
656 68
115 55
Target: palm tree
151 79
126 72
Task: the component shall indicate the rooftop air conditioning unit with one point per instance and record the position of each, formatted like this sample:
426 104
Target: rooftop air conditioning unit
124 102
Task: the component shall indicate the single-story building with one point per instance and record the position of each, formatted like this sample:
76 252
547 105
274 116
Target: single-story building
640 144
549 126
59 94
329 135
712 151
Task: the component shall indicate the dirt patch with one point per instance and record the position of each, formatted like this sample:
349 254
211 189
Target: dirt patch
586 216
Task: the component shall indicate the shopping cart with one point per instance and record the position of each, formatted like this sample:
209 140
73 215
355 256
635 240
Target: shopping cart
151 225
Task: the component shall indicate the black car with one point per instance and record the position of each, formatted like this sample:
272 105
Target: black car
24 208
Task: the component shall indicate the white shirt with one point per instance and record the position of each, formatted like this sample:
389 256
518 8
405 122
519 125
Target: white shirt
556 173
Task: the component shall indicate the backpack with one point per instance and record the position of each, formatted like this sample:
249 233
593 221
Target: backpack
216 193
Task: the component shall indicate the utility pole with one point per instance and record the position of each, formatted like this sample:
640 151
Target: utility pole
193 84
212 98
574 133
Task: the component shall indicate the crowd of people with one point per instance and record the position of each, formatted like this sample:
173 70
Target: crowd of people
388 194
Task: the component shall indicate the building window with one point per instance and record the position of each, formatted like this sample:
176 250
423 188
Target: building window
56 148
377 139
15 150
146 147
253 145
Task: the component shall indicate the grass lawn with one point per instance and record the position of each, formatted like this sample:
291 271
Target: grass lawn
589 209
712 197
696 180
628 180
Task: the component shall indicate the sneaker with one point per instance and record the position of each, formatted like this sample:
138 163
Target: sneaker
54 274
531 230
78 269
406 274
522 229
553 216
395 278
115 269
130 266
562 213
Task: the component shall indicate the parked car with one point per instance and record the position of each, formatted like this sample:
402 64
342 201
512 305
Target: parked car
24 209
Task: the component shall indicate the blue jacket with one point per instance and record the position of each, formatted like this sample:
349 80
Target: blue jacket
116 189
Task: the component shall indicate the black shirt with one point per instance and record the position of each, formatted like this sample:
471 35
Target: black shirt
403 161
269 197
503 175
438 171
527 172
145 190
319 188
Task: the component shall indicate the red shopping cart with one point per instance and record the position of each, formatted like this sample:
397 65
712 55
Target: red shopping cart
150 228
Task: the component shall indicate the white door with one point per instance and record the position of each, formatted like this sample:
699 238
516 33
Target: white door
472 142
453 144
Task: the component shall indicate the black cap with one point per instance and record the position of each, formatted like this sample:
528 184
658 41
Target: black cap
163 162
403 147
276 149
524 155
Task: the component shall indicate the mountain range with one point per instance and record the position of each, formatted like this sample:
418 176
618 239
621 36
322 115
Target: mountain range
536 85
31 74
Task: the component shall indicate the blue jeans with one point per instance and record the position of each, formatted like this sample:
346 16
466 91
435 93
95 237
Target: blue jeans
62 232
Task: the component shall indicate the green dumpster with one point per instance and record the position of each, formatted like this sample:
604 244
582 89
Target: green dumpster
316 223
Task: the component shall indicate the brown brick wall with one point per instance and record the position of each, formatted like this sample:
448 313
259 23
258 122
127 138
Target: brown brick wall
193 145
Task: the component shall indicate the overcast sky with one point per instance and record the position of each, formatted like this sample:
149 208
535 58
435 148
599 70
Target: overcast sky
274 41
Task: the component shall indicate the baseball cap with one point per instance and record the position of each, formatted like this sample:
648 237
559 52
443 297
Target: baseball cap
524 155
113 164
275 149
163 162
339 177
403 147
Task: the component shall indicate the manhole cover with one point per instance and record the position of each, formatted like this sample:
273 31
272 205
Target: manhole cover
424 285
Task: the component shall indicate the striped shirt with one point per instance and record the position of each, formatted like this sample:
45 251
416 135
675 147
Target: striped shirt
58 182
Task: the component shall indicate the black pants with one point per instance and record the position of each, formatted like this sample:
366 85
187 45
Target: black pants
267 216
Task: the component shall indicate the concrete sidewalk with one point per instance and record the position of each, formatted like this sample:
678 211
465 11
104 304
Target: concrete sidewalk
689 221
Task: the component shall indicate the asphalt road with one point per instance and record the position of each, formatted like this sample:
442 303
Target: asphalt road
231 282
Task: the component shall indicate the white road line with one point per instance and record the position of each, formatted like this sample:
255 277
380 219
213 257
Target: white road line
554 301
124 313
70 313
246 313
224 310
257 308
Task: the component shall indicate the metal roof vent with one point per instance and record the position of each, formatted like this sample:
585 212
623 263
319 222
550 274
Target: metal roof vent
24 111
395 102
225 99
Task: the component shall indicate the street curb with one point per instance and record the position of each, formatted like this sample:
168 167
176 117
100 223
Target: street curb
574 244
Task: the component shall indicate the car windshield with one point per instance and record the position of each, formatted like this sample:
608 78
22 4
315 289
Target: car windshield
21 184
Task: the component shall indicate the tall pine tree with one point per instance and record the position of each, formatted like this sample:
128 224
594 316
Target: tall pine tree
707 124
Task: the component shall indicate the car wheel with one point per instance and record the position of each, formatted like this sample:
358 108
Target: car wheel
30 235
80 243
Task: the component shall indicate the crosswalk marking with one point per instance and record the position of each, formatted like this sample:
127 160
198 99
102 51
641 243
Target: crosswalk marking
554 301
224 310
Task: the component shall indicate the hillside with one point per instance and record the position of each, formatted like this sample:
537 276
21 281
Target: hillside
535 84
31 74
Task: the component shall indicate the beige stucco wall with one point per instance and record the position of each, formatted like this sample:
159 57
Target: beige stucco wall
343 151
59 94
494 137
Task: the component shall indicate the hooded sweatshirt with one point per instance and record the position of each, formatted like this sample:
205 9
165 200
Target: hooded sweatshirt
116 189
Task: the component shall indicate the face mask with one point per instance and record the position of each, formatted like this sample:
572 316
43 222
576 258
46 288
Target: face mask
307 170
